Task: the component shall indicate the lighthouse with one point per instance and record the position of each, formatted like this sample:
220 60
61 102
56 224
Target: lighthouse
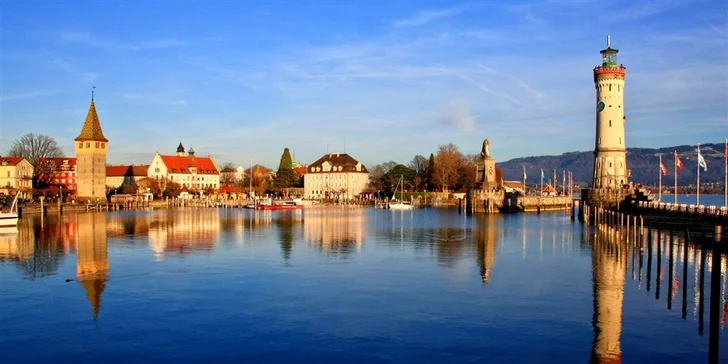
610 153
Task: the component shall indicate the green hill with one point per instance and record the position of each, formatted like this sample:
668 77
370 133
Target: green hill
642 162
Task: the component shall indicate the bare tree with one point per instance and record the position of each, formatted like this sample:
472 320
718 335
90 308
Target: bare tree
419 165
228 175
447 165
35 147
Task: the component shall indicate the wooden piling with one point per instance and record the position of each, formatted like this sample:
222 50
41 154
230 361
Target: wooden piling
715 298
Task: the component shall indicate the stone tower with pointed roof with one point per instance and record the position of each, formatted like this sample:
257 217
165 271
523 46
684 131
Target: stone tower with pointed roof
91 149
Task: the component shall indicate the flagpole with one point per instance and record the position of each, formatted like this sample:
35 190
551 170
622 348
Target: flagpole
563 181
524 180
541 192
659 193
675 192
725 183
697 198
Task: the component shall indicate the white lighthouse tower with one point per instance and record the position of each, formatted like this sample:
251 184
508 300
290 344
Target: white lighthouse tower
610 154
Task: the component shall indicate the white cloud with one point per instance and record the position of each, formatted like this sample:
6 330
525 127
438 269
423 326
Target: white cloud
457 114
424 17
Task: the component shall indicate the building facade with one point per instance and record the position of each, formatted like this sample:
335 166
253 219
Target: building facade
610 152
91 148
59 172
116 176
188 170
335 176
16 176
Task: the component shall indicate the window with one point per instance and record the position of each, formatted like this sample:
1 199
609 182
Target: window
80 145
620 140
88 145
610 87
103 145
97 144
600 141
610 123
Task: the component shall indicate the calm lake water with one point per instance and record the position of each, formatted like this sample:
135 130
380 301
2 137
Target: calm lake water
332 285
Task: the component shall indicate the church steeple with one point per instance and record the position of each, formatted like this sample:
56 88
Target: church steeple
180 150
92 126
191 152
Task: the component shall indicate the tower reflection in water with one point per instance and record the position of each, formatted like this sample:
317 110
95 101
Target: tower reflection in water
485 240
609 266
92 269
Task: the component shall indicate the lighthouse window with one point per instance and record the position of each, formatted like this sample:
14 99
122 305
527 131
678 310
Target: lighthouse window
610 87
600 141
620 141
610 123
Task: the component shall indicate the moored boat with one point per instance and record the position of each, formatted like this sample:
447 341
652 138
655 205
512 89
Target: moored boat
10 218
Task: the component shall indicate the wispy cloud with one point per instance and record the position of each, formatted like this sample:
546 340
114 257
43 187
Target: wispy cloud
425 17
93 40
27 95
457 114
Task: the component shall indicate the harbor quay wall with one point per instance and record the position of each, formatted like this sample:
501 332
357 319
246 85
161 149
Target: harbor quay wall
498 201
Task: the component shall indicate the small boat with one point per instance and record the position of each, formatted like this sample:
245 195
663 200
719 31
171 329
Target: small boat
400 204
10 218
294 204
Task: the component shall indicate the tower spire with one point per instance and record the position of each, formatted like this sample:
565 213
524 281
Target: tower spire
92 93
609 41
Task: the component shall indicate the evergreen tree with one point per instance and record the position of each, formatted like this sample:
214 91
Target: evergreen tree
285 177
429 173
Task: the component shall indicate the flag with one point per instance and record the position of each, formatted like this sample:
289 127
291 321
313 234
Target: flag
701 161
542 175
663 169
524 172
678 163
556 179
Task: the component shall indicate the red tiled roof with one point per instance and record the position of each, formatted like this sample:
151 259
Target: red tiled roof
131 171
58 163
12 161
177 164
299 171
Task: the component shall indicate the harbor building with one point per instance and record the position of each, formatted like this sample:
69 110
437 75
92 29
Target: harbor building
335 176
610 152
117 176
59 172
16 176
91 149
188 170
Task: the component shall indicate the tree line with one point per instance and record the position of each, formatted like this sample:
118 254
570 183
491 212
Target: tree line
448 169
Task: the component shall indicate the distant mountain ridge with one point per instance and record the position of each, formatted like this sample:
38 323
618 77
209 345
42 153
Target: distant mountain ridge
642 162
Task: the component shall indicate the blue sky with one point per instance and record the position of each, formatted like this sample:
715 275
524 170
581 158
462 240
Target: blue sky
381 80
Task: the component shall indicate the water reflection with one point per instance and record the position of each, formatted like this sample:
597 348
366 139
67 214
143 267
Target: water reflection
92 270
336 231
609 266
485 240
289 225
37 245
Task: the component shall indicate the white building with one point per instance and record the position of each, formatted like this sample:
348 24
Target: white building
335 175
188 170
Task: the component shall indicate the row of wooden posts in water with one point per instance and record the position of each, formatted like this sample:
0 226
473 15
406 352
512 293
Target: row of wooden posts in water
625 228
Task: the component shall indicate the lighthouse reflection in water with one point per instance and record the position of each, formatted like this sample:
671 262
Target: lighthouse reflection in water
375 285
